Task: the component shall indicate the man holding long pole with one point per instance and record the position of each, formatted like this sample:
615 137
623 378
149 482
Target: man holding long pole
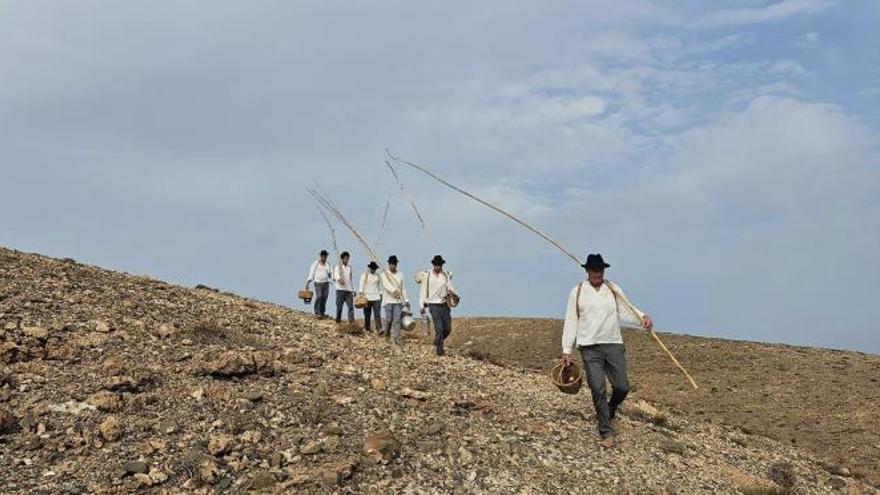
592 322
394 299
436 286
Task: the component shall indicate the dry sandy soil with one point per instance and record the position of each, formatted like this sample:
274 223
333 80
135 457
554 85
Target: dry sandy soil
824 401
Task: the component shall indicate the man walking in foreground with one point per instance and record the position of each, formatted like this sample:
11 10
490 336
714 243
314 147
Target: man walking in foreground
592 322
394 298
370 290
344 287
436 286
320 273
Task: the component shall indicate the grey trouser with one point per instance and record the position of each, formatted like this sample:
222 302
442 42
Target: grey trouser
347 298
442 316
393 320
322 290
371 308
601 360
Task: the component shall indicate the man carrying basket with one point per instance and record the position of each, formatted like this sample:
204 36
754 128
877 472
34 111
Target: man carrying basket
438 296
592 322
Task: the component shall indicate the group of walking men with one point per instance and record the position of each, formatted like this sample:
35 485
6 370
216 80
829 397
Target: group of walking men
384 290
592 320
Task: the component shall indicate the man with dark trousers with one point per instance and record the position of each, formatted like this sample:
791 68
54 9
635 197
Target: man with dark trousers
592 322
436 285
320 273
371 290
344 287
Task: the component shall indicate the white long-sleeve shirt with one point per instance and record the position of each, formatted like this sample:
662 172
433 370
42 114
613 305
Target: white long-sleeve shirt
434 287
319 273
342 277
599 321
390 287
369 286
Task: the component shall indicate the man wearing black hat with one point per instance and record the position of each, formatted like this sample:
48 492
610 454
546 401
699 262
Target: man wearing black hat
436 286
344 287
394 299
592 322
320 273
370 290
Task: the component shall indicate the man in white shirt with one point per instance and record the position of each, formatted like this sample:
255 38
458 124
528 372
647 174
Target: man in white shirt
394 299
320 273
436 285
369 288
592 322
344 287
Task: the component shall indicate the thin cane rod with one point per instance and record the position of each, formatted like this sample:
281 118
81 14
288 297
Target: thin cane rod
672 357
328 204
382 225
485 203
329 226
659 342
413 206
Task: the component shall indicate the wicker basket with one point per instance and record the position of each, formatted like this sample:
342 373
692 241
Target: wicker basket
306 295
568 379
360 302
452 300
407 322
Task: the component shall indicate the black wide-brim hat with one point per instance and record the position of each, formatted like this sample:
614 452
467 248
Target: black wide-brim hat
438 260
595 261
392 259
372 265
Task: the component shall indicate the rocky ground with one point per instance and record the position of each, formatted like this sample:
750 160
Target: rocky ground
820 400
113 383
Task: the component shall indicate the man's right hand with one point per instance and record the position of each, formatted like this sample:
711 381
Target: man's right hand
566 360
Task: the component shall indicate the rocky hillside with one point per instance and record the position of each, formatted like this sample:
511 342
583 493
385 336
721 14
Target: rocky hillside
821 400
113 383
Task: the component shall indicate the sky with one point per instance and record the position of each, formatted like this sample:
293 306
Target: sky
724 157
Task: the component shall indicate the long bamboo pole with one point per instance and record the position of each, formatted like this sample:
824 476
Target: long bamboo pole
657 339
327 203
382 225
674 360
329 226
487 204
539 233
412 205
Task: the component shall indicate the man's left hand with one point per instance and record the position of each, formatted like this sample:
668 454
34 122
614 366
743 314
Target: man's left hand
647 322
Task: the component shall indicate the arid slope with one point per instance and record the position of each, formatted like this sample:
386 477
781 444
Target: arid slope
112 383
824 401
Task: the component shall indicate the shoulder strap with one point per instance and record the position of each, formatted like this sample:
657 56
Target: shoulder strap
577 300
613 293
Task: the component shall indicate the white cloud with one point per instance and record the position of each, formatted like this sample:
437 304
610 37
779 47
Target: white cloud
870 92
808 40
773 12
778 88
728 42
786 68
